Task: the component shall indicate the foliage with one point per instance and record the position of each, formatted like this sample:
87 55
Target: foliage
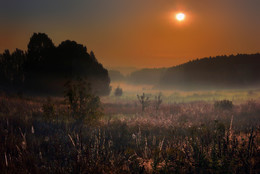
144 101
223 105
84 106
38 47
221 72
44 67
158 101
12 67
118 92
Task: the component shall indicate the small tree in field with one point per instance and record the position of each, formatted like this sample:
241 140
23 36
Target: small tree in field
84 106
144 101
223 105
158 102
118 92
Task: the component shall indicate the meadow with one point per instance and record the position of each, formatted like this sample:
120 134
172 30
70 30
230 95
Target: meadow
130 91
190 132
130 87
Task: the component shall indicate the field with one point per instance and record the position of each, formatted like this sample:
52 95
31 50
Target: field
130 87
238 96
188 133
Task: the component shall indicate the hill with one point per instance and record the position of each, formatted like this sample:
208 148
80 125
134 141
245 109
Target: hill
116 76
221 72
149 76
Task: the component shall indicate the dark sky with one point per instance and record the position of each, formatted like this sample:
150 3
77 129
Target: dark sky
141 33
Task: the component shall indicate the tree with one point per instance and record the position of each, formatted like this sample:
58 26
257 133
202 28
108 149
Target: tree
223 105
84 106
75 61
118 92
6 70
158 102
11 67
39 44
18 58
40 54
144 101
45 67
221 72
92 56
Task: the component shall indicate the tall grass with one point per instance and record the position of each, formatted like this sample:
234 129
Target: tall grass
38 136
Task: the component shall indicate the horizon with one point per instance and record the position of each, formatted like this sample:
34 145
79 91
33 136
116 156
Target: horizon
169 66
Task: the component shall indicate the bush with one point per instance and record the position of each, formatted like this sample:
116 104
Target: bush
223 105
118 92
158 102
144 101
84 106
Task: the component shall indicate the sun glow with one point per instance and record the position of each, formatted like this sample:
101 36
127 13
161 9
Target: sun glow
180 16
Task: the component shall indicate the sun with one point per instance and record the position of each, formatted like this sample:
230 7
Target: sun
180 16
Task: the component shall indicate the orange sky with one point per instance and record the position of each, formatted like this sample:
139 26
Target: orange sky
134 33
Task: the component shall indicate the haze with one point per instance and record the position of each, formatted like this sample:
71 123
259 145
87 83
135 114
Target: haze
137 33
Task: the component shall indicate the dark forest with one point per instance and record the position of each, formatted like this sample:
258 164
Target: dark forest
44 68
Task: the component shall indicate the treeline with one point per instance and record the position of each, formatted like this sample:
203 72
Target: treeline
45 68
234 71
221 72
142 76
146 76
116 75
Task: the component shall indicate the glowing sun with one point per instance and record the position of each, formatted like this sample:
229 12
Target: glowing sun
180 16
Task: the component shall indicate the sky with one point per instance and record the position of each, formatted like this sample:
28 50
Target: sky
136 33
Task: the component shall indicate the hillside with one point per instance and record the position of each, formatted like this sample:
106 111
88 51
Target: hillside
221 72
146 76
116 75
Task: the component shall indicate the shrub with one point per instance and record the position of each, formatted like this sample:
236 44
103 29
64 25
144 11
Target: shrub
144 101
223 105
118 92
84 106
158 102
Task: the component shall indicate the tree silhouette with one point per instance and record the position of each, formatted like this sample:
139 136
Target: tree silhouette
220 72
45 67
144 101
77 62
11 67
92 56
83 104
118 92
38 46
158 102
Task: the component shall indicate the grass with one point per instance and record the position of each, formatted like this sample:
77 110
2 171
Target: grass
238 96
188 137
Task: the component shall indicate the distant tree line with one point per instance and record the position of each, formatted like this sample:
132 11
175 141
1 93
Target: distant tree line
220 72
44 67
234 71
147 76
143 76
116 76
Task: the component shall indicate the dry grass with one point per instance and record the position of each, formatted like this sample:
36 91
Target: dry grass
180 138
